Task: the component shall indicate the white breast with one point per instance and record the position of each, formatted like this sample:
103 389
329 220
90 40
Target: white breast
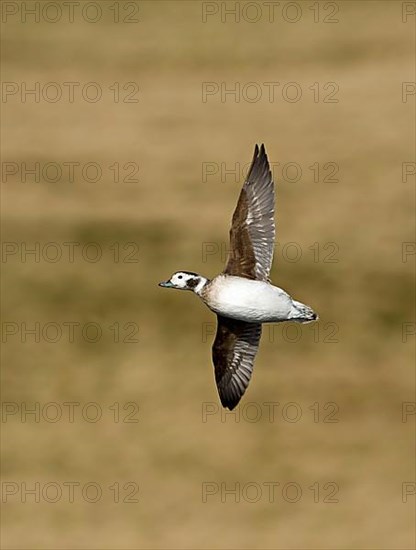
247 300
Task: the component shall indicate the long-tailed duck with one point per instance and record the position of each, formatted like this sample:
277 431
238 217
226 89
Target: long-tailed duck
242 296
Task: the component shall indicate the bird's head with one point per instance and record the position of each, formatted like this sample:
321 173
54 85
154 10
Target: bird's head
185 280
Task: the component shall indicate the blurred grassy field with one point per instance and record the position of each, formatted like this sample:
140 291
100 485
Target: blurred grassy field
172 215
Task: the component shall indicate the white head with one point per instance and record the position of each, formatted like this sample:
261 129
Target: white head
186 280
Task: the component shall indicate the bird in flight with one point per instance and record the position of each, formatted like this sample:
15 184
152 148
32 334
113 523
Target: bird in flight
242 295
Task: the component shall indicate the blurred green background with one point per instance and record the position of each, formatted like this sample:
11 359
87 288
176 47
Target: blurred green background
178 217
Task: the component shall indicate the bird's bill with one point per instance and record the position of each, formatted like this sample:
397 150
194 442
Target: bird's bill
166 284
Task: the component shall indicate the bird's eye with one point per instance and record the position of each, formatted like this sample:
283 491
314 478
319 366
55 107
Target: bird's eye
179 276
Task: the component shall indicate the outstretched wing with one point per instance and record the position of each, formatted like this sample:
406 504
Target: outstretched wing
233 353
252 230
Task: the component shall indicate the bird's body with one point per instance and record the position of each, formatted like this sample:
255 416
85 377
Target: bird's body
250 300
242 296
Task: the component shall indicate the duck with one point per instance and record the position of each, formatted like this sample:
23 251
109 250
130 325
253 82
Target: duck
242 296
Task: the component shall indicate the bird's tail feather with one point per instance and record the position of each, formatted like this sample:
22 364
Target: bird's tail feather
302 313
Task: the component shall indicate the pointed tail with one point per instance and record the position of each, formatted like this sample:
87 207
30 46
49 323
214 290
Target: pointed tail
302 313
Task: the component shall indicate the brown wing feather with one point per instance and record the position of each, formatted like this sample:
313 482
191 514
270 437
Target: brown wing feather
233 353
252 230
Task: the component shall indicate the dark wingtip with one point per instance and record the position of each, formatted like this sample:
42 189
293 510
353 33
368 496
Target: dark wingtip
228 403
229 398
256 153
259 165
259 150
263 154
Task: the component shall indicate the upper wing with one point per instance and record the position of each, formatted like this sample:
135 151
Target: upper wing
233 353
252 230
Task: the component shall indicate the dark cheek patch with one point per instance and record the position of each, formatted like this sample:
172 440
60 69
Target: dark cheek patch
192 283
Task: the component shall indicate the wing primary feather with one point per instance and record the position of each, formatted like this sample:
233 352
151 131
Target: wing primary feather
252 232
233 354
